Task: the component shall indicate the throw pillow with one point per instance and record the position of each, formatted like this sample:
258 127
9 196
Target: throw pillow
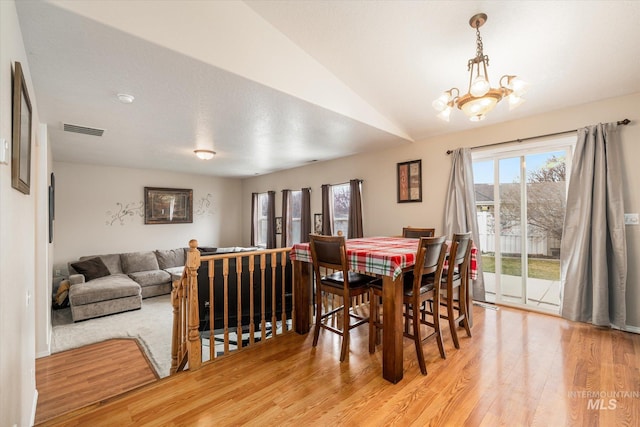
92 268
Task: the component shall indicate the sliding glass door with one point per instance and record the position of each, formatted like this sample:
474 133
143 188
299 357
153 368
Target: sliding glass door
521 199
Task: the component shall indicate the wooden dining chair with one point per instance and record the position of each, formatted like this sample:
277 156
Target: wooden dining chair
454 285
420 285
329 252
416 233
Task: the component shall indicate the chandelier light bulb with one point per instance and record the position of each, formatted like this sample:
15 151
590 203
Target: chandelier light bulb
519 86
514 101
480 86
444 114
441 102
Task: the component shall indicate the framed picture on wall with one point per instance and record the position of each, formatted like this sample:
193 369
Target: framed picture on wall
317 223
410 181
278 225
168 205
52 205
21 143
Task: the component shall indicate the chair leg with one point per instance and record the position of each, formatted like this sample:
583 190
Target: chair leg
417 339
465 309
316 332
438 331
452 322
345 328
373 319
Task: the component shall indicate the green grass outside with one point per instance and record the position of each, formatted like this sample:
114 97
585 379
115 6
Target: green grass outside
548 269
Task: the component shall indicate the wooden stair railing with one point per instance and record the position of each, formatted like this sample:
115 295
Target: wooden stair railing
186 346
186 342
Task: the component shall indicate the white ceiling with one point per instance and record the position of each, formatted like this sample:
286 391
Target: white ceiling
271 85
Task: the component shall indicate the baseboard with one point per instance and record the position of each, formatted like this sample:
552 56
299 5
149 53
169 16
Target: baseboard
632 329
33 409
43 353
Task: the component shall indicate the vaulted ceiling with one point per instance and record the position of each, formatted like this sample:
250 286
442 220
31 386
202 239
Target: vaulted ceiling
271 85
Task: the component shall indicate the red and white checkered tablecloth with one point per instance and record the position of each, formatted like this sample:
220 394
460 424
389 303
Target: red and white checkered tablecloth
386 256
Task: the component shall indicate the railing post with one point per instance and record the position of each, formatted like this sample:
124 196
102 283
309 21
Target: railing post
175 336
194 346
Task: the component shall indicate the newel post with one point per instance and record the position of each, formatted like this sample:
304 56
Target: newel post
194 346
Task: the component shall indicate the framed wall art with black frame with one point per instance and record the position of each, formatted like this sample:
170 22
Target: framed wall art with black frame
21 143
52 205
410 181
168 205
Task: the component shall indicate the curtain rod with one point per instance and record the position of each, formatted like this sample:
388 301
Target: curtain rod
621 123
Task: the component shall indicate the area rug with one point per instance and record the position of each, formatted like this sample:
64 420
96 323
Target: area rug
151 326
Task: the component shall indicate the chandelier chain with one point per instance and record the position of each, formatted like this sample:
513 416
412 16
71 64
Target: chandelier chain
479 52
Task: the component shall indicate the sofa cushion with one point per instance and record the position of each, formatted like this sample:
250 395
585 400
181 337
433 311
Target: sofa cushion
175 272
134 262
152 277
112 262
170 258
102 289
91 268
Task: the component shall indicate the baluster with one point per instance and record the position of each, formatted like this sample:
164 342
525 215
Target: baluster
195 345
239 300
263 323
225 277
212 332
252 326
274 317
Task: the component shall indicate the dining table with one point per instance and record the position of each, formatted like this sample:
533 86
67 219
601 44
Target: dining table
385 257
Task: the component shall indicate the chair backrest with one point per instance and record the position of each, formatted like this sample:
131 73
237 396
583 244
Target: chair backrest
459 254
430 258
416 233
328 252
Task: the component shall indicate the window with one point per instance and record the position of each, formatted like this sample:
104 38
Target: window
295 210
340 201
263 209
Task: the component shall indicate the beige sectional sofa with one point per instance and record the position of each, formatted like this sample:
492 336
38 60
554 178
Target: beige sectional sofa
113 283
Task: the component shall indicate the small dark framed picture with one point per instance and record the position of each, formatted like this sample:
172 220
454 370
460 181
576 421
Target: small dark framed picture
21 144
317 223
52 205
168 205
279 225
410 181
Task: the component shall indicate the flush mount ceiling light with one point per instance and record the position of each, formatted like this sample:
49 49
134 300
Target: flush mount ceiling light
125 98
480 98
205 154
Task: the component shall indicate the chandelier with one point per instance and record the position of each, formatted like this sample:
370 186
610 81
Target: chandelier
480 98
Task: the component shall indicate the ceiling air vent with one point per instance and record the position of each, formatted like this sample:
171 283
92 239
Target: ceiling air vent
82 129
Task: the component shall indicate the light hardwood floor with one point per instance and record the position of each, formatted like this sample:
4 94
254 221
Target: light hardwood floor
518 369
76 378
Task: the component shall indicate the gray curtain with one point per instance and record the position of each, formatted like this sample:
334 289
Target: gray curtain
254 218
327 212
593 254
286 219
460 209
271 219
305 216
355 229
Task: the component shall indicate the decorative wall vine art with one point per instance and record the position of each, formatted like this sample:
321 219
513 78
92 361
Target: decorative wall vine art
204 206
123 212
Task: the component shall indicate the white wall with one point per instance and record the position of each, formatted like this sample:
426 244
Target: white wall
18 239
384 216
87 220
